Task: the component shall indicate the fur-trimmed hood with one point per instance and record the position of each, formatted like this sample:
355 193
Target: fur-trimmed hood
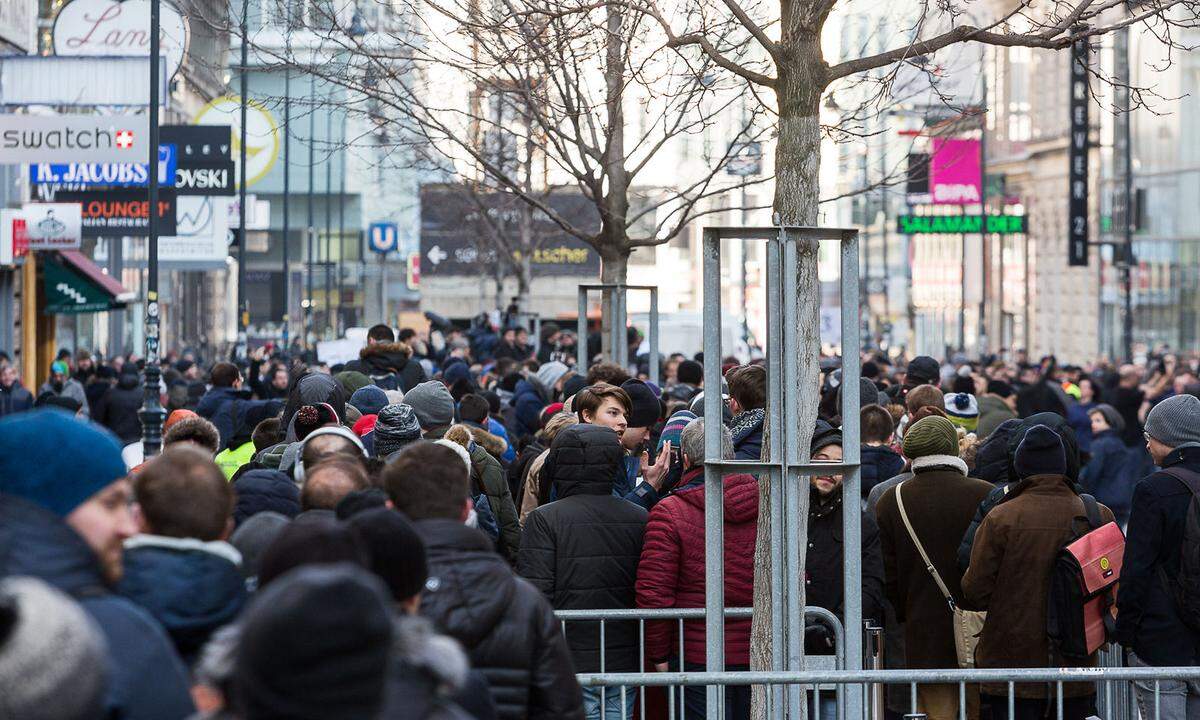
494 444
419 647
383 349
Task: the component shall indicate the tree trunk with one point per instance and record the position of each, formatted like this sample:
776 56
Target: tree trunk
797 164
614 268
524 281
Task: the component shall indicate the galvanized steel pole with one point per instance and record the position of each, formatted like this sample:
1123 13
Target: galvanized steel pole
714 495
851 507
152 411
244 82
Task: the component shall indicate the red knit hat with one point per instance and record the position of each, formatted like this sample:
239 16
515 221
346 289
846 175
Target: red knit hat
365 424
549 411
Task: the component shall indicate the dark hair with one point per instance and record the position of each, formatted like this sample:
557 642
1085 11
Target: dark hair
183 494
224 374
606 372
592 397
876 423
1003 389
267 433
963 384
406 334
690 372
427 481
381 333
359 501
326 496
748 385
194 430
473 408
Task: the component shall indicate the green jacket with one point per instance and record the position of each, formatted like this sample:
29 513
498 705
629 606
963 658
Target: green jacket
230 459
487 471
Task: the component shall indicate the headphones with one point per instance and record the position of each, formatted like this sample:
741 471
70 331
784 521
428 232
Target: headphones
298 471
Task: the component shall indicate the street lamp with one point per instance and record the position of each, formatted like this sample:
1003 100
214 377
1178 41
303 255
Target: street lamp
152 411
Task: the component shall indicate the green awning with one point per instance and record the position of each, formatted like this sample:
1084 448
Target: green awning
74 284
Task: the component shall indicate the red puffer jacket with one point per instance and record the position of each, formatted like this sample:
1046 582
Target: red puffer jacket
671 571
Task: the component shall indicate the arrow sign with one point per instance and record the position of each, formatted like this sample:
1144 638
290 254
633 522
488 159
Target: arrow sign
436 255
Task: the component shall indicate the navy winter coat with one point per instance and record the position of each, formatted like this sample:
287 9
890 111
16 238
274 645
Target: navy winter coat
14 399
1147 621
1106 475
192 588
261 490
879 463
147 679
529 403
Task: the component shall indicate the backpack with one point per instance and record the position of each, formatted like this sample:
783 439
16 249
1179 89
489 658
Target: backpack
387 381
1083 581
1185 589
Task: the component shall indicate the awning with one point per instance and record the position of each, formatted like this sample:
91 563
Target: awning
75 284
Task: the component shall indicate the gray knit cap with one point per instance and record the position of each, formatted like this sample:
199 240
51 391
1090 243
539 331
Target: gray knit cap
53 662
1175 421
395 427
433 404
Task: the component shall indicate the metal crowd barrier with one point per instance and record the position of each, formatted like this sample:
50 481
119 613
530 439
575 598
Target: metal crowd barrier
617 311
833 662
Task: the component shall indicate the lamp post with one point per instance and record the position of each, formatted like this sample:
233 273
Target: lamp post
243 310
152 411
287 146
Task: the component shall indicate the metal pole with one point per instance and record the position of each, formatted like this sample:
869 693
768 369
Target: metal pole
341 243
152 411
983 208
654 362
383 293
244 81
1126 115
308 274
581 342
714 495
795 490
287 167
329 218
962 297
851 509
774 359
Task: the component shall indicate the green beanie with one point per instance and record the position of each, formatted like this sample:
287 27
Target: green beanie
933 435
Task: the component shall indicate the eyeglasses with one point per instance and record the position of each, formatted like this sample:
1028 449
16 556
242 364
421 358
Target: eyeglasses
1147 436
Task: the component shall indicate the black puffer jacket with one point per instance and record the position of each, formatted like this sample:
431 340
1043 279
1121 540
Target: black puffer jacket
119 406
390 366
505 625
582 550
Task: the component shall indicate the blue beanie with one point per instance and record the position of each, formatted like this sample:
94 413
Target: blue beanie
369 399
455 372
55 460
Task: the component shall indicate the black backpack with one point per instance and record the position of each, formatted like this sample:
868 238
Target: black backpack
387 381
1185 588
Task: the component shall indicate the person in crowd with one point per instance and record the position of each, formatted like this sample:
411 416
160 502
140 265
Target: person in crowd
338 667
434 407
226 401
582 551
1040 393
179 566
1009 576
533 492
53 663
62 384
879 461
1105 476
747 402
608 372
271 384
100 381
195 431
998 404
689 380
645 411
351 381
396 426
242 447
430 678
265 490
921 370
670 573
506 626
487 476
388 363
962 409
475 412
14 398
939 502
535 392
119 407
1151 624
1079 412
64 517
330 480
823 583
1127 397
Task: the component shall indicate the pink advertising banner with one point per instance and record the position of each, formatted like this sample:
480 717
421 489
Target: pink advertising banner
954 172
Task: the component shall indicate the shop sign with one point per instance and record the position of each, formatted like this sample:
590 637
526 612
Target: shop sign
960 224
108 28
53 226
73 138
117 213
86 175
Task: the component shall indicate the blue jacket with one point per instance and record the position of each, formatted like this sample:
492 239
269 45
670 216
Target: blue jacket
1107 477
529 403
1077 415
497 428
191 588
225 408
1147 621
879 463
147 679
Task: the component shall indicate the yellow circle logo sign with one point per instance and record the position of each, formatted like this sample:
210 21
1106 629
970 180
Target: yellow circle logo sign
1104 564
262 136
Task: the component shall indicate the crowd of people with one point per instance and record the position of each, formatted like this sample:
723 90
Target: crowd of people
390 537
